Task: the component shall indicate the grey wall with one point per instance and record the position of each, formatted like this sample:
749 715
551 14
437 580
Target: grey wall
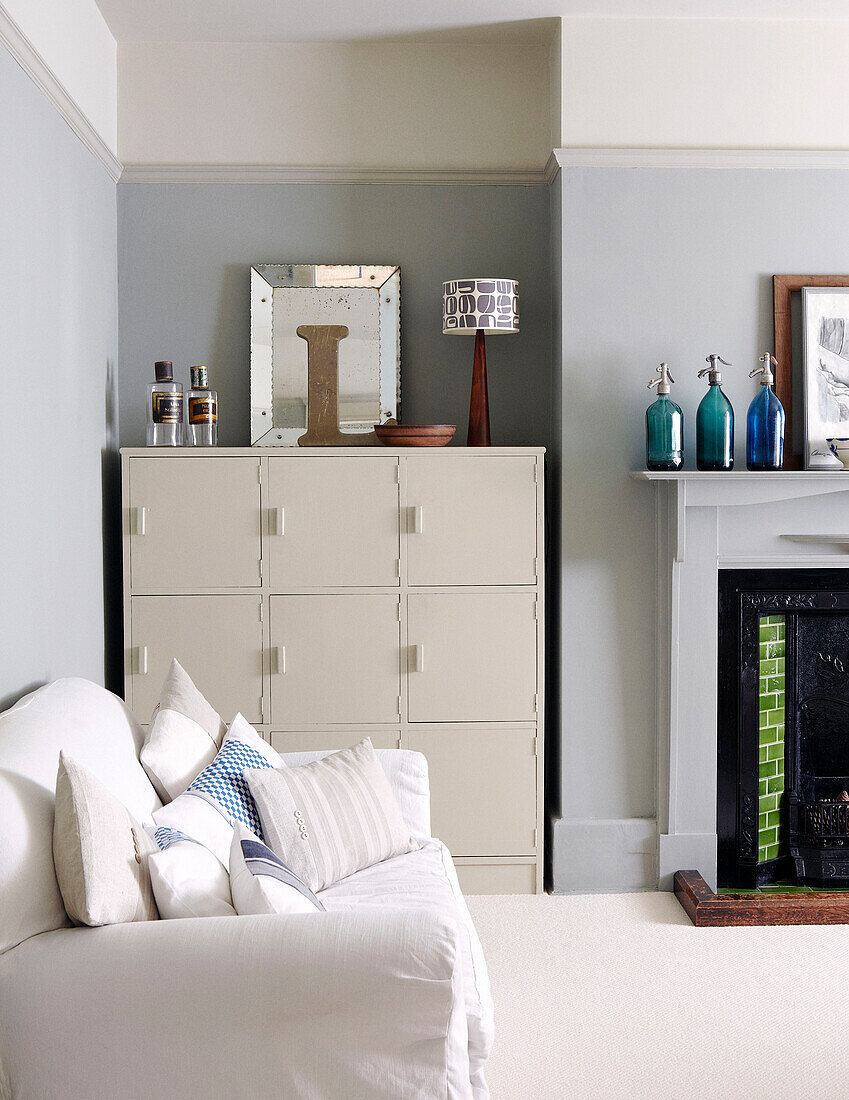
658 264
58 303
185 252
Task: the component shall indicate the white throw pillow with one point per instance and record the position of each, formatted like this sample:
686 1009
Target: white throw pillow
332 817
187 879
185 734
261 883
219 796
100 852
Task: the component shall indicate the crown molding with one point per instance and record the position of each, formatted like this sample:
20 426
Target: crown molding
658 157
278 173
33 64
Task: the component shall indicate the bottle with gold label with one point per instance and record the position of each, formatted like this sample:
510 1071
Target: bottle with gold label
164 408
201 411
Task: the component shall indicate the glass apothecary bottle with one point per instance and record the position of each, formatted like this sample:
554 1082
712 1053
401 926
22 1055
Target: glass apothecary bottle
714 422
765 422
201 411
664 426
164 408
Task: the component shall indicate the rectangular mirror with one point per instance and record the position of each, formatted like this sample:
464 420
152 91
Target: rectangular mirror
284 296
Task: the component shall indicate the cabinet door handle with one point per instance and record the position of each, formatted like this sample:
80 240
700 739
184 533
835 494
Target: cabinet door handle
141 521
418 519
141 660
418 658
279 652
278 521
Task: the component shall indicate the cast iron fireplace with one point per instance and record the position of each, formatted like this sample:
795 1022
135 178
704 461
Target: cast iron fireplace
783 736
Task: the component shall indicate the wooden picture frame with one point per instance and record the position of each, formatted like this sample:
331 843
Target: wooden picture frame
782 287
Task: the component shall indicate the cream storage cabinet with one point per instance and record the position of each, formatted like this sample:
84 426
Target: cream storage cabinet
333 594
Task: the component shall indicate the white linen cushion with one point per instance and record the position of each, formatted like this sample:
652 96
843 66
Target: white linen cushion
332 817
219 796
408 777
99 731
187 879
262 883
100 852
425 882
184 736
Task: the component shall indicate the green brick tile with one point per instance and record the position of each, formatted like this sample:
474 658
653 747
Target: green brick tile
762 751
768 836
769 633
776 785
773 649
767 702
769 668
768 770
773 819
773 851
775 683
775 752
762 788
768 803
776 717
769 735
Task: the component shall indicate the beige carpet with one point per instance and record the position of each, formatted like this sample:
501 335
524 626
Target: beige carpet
611 996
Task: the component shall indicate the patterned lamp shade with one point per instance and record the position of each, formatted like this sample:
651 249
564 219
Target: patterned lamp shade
472 304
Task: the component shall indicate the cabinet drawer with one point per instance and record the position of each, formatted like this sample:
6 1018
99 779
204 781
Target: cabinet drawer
335 659
472 657
471 520
483 788
497 878
319 740
217 639
339 523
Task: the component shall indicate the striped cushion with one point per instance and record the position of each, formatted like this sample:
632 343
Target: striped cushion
332 817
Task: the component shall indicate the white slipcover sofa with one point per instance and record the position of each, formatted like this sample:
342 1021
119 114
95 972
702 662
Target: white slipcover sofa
383 996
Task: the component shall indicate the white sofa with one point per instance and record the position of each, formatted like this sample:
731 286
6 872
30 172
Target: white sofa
385 995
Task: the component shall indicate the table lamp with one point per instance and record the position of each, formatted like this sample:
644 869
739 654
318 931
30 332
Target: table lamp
479 306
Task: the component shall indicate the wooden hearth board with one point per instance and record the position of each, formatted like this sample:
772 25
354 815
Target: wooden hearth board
709 910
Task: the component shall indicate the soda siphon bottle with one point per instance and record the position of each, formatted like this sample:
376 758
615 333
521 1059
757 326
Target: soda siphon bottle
765 422
714 422
664 427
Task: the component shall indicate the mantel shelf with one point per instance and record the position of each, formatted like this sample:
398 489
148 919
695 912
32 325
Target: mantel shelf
709 489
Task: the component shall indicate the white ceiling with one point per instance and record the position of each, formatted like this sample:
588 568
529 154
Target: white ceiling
352 20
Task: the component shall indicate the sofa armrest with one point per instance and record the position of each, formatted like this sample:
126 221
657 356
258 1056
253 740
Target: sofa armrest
407 773
332 1005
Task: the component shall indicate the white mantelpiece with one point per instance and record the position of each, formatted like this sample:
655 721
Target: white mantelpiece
707 522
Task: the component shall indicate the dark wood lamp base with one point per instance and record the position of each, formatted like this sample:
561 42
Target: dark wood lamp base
479 405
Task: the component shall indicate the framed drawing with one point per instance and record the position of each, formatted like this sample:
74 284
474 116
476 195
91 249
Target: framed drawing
365 301
784 289
825 372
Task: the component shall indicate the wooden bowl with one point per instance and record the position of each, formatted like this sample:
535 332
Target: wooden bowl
415 435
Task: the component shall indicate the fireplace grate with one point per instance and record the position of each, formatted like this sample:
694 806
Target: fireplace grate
824 824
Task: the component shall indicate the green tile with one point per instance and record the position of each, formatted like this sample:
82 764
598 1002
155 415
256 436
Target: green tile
775 683
775 752
768 770
769 633
776 717
769 735
768 702
769 668
762 751
773 851
775 785
773 649
773 818
768 803
768 836
762 788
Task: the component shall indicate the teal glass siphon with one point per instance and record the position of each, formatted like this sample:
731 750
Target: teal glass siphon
664 427
765 422
714 422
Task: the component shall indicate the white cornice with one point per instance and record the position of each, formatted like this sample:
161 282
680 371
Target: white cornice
43 77
589 157
272 173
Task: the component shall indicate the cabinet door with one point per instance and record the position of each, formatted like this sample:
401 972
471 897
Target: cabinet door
471 520
217 639
483 788
319 740
472 656
335 659
339 523
200 527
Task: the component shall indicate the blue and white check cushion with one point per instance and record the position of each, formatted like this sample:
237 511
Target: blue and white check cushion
166 837
219 797
262 883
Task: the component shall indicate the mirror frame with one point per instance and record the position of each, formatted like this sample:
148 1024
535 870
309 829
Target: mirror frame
384 280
